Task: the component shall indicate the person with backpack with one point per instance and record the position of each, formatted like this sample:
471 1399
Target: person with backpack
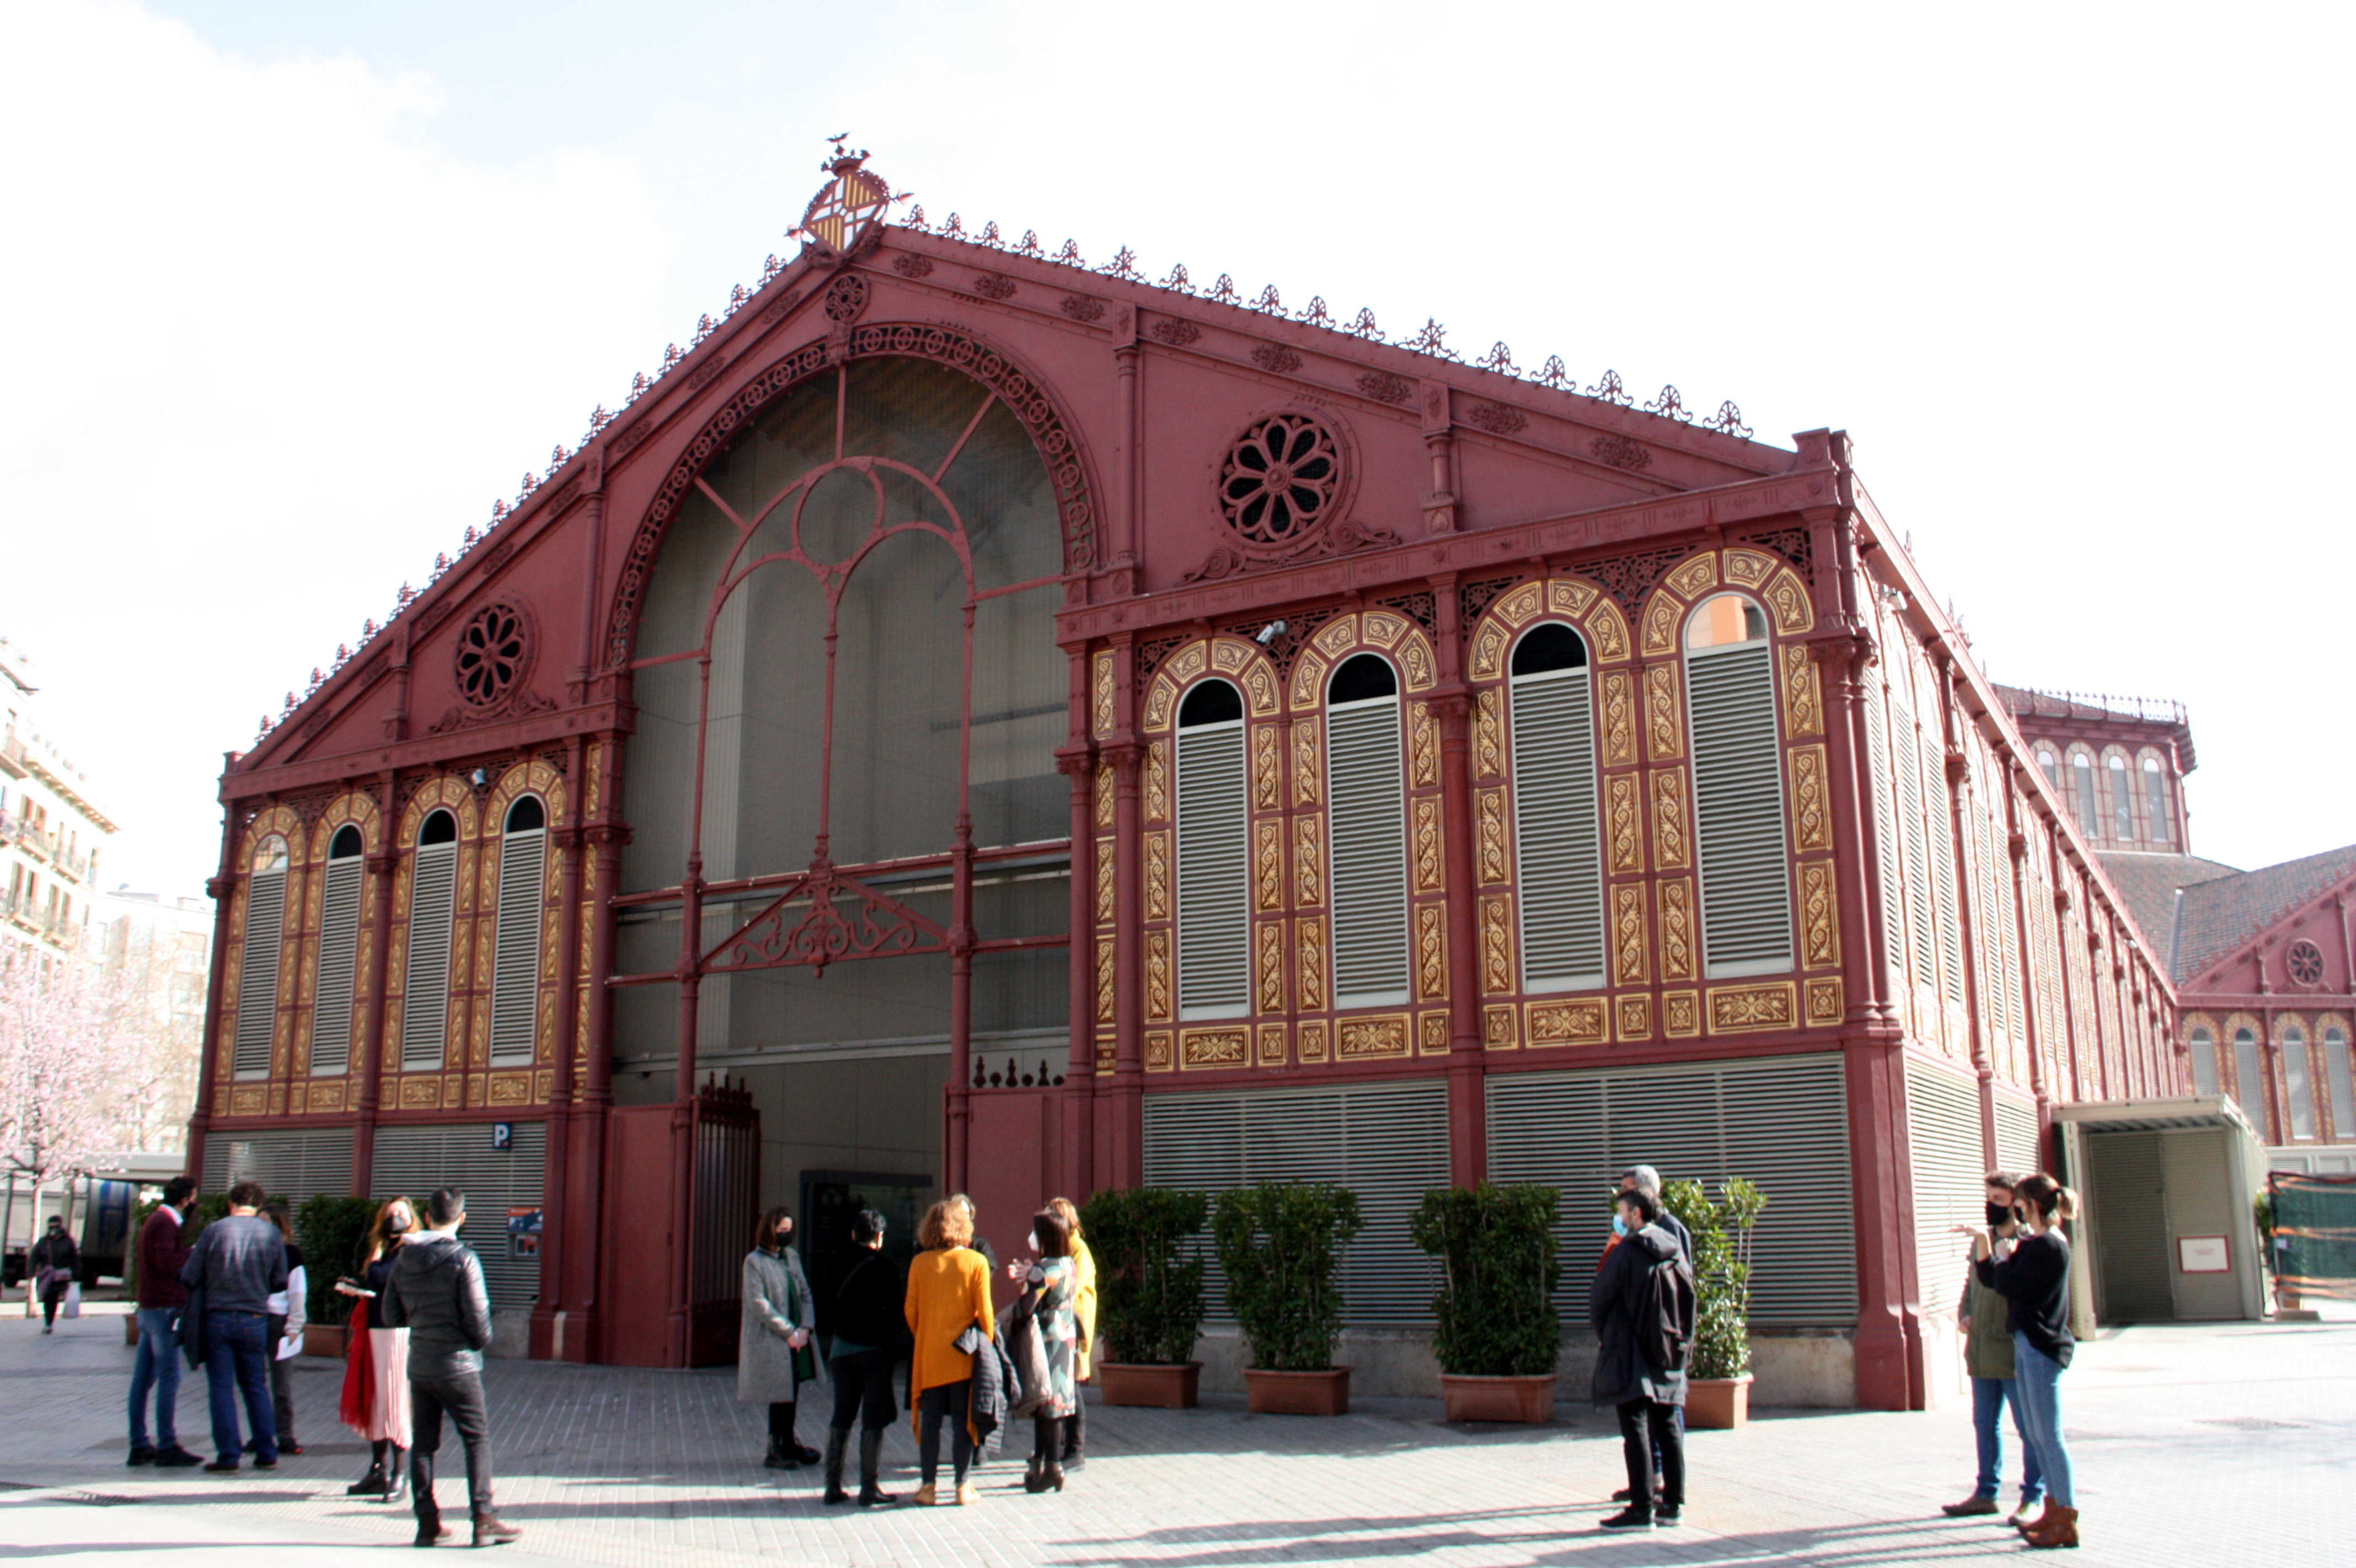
1641 1307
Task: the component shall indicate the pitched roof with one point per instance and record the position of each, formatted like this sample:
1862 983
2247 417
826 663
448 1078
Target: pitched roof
2149 883
2223 913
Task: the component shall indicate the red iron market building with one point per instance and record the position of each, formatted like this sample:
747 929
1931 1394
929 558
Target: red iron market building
977 720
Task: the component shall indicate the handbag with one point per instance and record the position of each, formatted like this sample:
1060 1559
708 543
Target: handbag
805 1358
72 1307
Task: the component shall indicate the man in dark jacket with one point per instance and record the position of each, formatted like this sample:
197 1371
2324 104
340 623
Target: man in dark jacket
161 1251
54 1262
240 1263
867 1314
437 1292
1623 1309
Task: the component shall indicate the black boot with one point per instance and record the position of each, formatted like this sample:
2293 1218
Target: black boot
396 1475
871 1467
779 1456
370 1485
836 1438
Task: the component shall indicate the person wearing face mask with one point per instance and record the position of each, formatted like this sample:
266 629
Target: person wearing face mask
1049 1287
866 1337
775 1353
2034 1280
1988 1358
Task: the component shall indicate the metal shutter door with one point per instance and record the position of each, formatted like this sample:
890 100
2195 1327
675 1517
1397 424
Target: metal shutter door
1782 1122
1213 873
515 973
412 1162
2129 1206
425 995
1746 894
1555 840
1385 1142
257 980
1943 1134
339 937
293 1166
1368 793
2015 1138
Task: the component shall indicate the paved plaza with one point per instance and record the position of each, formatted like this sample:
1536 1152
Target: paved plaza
2197 1445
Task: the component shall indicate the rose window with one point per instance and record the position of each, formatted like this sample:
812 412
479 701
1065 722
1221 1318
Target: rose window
2305 963
1279 480
493 650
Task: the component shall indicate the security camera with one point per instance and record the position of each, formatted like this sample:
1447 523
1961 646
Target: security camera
1269 632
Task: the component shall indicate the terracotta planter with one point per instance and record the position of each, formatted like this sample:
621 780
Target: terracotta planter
1528 1401
326 1339
1298 1394
1717 1403
1149 1387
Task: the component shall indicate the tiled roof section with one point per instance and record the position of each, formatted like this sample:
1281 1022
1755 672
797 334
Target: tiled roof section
2221 915
2068 708
2148 884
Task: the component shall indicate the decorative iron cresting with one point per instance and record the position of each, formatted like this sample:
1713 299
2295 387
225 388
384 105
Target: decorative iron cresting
824 917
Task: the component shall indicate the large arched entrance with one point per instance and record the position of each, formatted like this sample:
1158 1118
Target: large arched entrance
850 853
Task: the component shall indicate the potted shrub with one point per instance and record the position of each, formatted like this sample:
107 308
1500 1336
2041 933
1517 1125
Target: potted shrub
1718 1378
1281 1248
332 1231
1149 1293
1496 1332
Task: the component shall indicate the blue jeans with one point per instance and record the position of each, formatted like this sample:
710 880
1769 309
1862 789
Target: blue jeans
237 1360
1989 1396
2037 1384
156 1366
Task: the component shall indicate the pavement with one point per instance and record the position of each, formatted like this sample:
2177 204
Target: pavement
2195 1444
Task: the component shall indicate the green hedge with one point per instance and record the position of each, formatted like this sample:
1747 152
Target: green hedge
1495 1314
332 1232
1149 1275
1280 1246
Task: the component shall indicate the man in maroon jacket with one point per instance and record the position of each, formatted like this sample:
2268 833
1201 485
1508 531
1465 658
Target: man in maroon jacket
163 1247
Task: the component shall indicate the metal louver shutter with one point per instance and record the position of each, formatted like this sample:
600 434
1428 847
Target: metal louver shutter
1887 855
293 1166
2015 1138
1556 841
1921 961
412 1161
1746 892
1943 1134
1385 1142
515 973
1943 849
1781 1122
425 996
257 981
339 939
1367 790
1214 872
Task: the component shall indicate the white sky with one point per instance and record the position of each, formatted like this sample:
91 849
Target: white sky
289 293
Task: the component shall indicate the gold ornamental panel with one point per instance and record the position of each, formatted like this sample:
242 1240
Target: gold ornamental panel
1102 679
1309 963
1425 814
1824 1004
1497 946
1105 882
1501 1028
1157 976
1104 795
1742 1009
1681 1014
1312 1041
1749 567
1628 953
1422 745
1571 1023
1694 576
1623 820
1309 683
1309 861
1611 632
249 1100
1489 733
1431 952
1105 972
1336 636
1272 1045
1661 625
1432 1034
1677 928
1811 804
1664 727
1159 1055
1267 966
1787 597
1518 607
1308 774
1268 766
1157 782
1672 845
1819 928
1384 628
1267 864
1368 1039
1489 652
1415 658
1619 718
1635 1021
421 1093
1108 1052
1215 1047
1489 816
1804 712
510 1088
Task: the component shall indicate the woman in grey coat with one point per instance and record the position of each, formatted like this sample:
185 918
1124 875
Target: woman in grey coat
775 1353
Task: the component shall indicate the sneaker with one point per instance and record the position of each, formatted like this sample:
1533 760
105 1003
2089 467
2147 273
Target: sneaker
1628 1519
1665 1517
489 1531
1971 1507
221 1467
433 1534
140 1454
174 1459
265 1464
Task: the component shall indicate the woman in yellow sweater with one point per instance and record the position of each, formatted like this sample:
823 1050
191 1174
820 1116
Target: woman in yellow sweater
948 1291
1084 1308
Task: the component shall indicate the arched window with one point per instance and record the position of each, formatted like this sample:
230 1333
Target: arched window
2337 1070
2154 795
2203 1053
2250 1080
2082 769
425 993
1366 789
257 979
1557 844
515 971
2122 802
2051 766
340 941
2297 1089
1214 856
1746 894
